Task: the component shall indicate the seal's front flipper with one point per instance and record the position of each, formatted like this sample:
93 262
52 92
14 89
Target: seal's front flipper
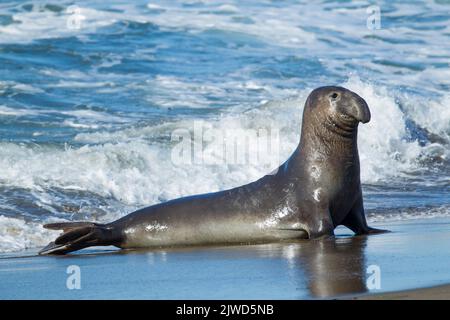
320 225
79 235
356 220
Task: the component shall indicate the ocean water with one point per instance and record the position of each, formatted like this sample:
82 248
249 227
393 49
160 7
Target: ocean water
91 93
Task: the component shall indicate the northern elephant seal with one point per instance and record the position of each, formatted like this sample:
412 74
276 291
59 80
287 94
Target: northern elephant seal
315 190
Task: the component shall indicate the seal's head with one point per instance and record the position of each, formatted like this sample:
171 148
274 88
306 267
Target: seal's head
336 106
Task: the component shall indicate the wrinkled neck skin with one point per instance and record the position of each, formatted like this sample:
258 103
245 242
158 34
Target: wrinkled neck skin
327 155
328 138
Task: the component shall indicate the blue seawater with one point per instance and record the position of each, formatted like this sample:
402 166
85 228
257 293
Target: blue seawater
91 93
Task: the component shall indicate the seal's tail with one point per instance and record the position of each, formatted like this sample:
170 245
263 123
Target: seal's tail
79 235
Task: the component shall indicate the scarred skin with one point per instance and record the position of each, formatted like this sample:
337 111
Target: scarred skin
314 191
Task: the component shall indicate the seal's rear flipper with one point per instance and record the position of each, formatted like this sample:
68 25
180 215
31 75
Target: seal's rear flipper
79 235
67 225
53 248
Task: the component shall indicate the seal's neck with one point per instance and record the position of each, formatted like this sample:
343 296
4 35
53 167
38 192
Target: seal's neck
326 140
329 137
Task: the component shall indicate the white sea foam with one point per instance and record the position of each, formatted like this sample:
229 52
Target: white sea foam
384 150
404 214
69 123
80 84
132 164
132 167
40 23
18 87
82 119
433 115
15 112
16 234
338 28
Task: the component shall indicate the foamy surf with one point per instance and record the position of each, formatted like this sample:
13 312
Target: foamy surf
17 234
133 166
92 95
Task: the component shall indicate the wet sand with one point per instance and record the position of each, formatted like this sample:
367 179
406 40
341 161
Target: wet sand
415 255
434 293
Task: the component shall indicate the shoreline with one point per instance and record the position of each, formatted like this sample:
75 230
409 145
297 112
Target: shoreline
413 262
440 292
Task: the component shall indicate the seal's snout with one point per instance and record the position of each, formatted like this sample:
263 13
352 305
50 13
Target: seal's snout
343 106
361 110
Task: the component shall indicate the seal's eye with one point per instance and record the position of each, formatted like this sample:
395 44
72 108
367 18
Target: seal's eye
334 95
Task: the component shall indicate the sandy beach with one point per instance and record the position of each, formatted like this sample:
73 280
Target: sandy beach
108 107
433 293
415 255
